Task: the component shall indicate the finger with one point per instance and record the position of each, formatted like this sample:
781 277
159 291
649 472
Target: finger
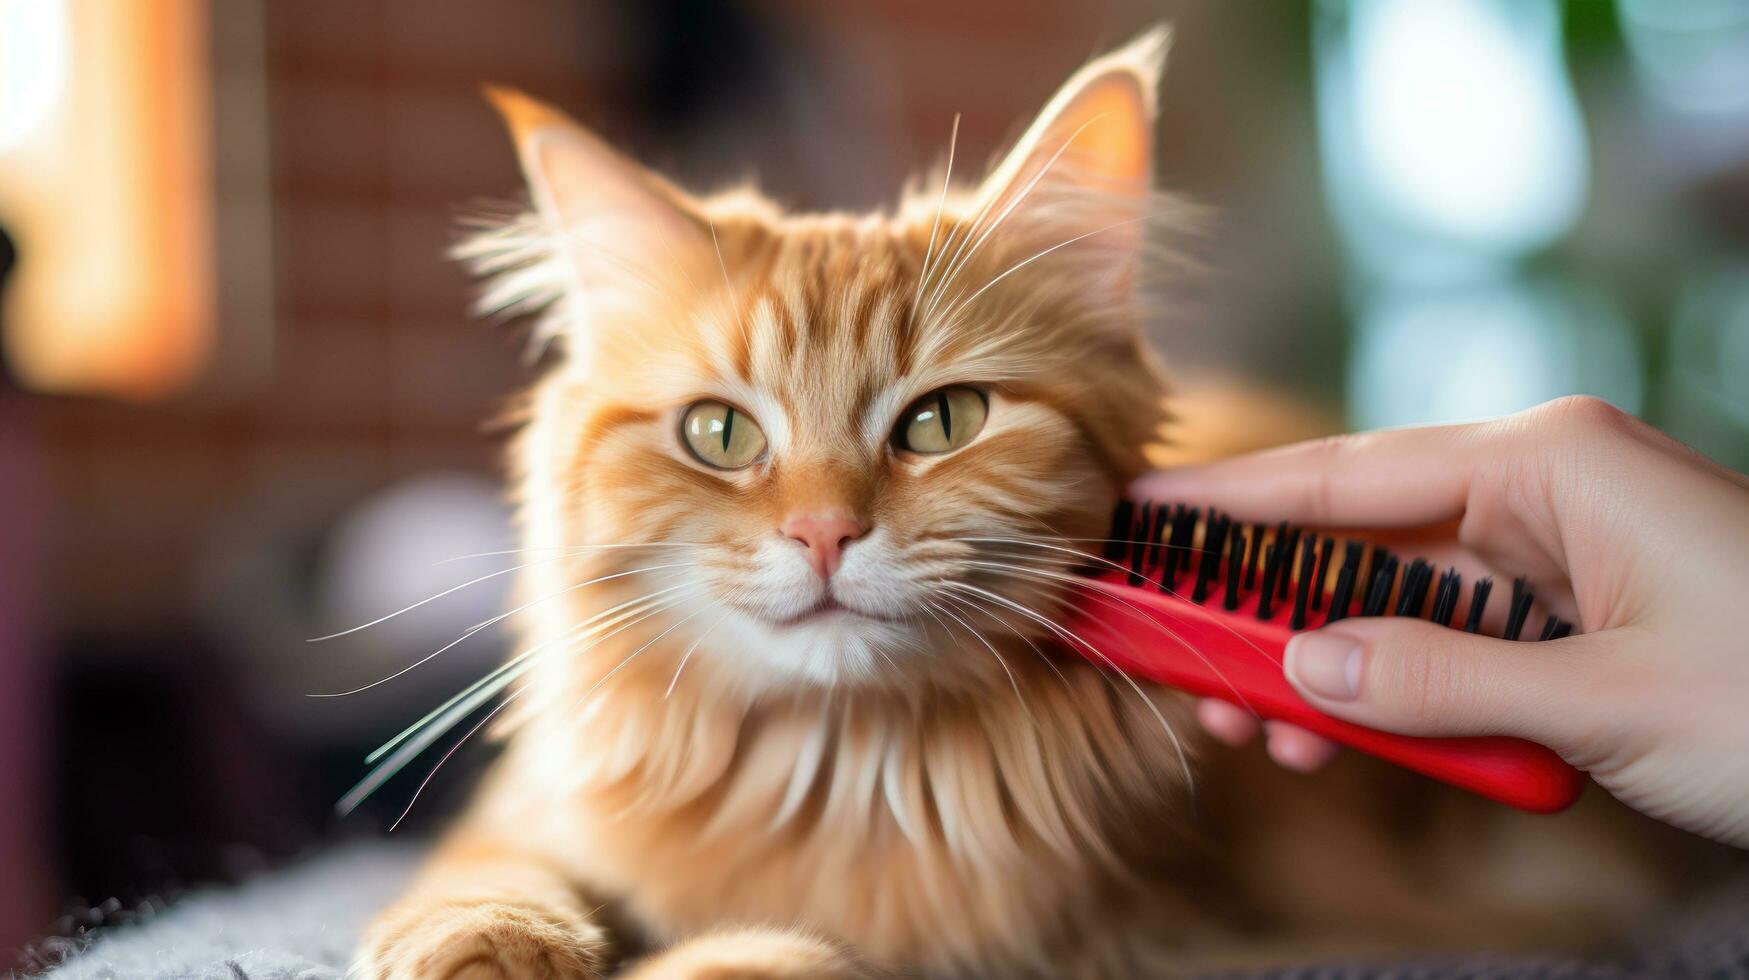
1408 676
1377 479
1292 747
1227 722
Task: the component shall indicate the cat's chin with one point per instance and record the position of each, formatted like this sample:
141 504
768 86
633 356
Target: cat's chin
827 610
830 643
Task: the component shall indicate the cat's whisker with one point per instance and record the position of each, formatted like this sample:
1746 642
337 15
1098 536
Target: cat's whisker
964 304
1071 637
563 553
929 608
495 680
888 658
1105 675
569 551
973 630
729 287
483 722
518 693
428 599
415 741
1111 601
421 738
934 611
962 234
941 272
603 679
722 266
433 724
954 317
1054 537
993 612
493 621
1085 559
956 265
946 180
1108 563
686 657
607 618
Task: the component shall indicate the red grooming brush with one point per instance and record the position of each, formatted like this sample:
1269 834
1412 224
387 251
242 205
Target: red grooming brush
1207 606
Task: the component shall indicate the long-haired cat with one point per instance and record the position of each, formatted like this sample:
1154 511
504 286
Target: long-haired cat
800 498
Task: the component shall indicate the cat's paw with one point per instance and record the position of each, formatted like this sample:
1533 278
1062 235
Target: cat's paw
481 941
753 954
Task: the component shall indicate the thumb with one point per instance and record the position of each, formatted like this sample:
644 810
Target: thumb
1415 678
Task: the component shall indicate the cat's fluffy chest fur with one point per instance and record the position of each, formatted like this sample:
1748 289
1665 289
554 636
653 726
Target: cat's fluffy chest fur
952 835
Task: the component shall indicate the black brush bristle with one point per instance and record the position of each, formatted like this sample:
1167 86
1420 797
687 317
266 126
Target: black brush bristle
1446 596
1326 549
1160 547
1154 552
1413 598
1178 548
1272 563
1235 568
1303 588
1478 603
1206 556
1158 528
1163 556
1214 542
1289 554
1345 579
1375 558
1252 564
1123 518
1136 536
1550 627
1519 611
1378 592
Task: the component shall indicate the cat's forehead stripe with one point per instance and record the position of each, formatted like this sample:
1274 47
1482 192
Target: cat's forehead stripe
835 298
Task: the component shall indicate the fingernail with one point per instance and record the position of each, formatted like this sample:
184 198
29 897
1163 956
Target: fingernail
1325 664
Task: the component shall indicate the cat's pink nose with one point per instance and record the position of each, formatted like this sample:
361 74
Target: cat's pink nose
825 536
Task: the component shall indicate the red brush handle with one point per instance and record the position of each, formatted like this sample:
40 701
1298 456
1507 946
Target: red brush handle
1209 651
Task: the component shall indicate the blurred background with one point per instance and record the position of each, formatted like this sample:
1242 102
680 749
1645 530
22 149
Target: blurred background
242 404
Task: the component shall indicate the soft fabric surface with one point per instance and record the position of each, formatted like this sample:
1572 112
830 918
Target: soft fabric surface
298 924
301 924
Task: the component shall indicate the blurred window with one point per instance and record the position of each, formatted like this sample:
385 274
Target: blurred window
106 187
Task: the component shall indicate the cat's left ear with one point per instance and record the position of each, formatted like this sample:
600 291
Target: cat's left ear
1087 161
627 237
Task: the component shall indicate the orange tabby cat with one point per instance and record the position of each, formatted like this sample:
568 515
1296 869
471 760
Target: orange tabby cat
801 497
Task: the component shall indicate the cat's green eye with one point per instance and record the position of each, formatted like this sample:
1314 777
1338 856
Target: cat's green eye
942 421
722 435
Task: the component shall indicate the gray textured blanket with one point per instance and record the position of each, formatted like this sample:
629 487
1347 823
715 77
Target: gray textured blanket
300 924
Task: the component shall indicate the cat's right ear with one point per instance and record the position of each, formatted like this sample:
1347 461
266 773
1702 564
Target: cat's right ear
1082 174
621 229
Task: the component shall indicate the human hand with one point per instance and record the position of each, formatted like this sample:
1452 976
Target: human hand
1638 539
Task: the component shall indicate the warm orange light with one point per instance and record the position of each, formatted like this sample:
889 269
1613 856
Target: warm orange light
110 198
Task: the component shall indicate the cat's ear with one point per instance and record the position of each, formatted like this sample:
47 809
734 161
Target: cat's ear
620 230
1091 149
